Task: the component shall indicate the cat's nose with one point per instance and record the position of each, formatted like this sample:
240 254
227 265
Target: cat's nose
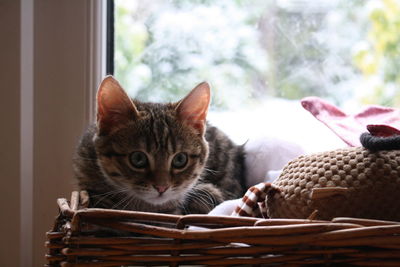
161 188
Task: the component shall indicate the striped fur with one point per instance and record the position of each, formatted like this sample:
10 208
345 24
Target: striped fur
214 172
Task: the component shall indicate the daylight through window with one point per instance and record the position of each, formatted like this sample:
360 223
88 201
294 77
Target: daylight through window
347 51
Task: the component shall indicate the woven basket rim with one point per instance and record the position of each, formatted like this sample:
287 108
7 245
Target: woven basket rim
219 240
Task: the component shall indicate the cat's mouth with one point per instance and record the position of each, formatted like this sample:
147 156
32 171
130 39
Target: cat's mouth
153 197
161 198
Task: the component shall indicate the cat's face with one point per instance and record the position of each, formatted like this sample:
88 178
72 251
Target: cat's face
156 152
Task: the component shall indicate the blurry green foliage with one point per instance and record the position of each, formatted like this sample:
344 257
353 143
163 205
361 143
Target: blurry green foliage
163 52
343 50
379 58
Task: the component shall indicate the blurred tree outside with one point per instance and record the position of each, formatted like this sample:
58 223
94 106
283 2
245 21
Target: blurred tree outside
164 52
378 57
344 51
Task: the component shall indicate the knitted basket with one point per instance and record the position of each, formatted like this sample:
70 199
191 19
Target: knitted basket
98 237
351 182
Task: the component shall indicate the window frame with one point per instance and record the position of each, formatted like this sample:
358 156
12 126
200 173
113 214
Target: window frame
54 59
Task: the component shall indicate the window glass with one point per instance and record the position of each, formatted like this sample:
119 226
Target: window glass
346 51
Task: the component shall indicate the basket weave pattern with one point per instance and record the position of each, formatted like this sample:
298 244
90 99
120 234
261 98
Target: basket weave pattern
351 182
78 239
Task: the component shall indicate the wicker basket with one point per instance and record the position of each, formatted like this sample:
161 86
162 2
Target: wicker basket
93 237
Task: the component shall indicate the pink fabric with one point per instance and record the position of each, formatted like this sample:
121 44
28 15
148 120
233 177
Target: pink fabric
379 121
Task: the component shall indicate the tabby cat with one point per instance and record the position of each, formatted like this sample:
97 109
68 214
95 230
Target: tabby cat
157 157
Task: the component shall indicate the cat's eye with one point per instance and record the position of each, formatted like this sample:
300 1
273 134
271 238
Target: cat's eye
139 159
180 160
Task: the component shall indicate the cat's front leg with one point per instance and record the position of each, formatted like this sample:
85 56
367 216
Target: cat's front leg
202 198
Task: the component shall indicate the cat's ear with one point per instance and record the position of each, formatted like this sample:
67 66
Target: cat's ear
114 107
194 107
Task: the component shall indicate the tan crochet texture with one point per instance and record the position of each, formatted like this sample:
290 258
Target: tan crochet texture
351 182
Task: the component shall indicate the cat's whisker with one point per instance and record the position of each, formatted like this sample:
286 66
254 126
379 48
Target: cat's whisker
122 201
128 202
199 196
134 201
194 196
203 203
108 194
111 193
211 171
207 194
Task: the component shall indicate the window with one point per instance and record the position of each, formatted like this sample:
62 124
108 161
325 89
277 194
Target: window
261 57
345 51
